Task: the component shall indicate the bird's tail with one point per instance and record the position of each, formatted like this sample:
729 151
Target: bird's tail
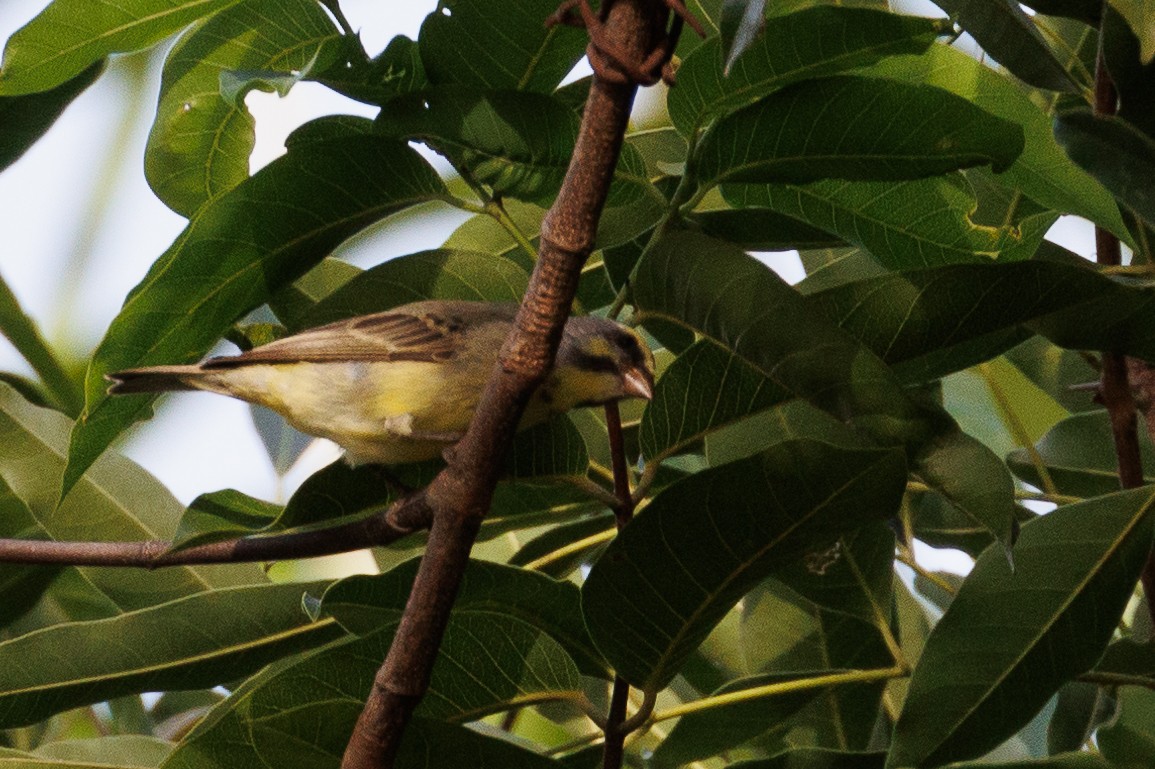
153 379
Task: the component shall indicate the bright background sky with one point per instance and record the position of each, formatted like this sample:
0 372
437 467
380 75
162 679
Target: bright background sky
71 260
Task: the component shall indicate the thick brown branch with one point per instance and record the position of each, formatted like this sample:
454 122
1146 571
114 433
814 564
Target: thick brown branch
402 519
460 495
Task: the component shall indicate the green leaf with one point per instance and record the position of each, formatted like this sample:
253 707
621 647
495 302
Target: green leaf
904 225
221 515
561 538
443 273
1086 11
817 758
1140 17
693 281
115 500
1010 640
1055 371
788 421
760 229
672 574
194 642
70 35
705 388
22 331
707 733
1009 35
365 604
27 118
1129 657
1128 742
1134 82
1080 457
203 135
1043 171
490 659
854 576
1080 708
224 265
294 301
457 45
803 45
519 144
395 71
1114 152
844 127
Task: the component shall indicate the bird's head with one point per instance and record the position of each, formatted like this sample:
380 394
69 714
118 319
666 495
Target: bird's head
599 361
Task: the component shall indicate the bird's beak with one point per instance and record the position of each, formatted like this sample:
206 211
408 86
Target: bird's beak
638 383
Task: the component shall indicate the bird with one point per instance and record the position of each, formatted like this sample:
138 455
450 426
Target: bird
402 385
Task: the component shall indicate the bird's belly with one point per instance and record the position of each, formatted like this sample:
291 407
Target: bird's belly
379 412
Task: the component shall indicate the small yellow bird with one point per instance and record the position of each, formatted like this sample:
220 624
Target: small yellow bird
401 385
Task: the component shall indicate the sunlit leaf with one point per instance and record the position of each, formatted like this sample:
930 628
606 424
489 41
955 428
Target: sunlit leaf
70 35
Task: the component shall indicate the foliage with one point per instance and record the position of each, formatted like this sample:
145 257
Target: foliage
802 444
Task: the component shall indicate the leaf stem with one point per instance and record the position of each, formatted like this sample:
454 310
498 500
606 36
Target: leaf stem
1117 679
783 687
880 619
907 559
571 548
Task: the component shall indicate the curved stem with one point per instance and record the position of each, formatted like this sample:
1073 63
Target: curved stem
784 687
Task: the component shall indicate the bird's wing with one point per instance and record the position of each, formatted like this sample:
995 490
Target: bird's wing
429 335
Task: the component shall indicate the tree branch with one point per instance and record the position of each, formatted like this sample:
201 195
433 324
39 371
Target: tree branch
460 495
403 518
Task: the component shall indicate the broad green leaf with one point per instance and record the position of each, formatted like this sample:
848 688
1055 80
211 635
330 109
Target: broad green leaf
237 250
201 139
518 144
705 285
115 500
457 45
905 225
35 762
1080 707
714 731
1010 640
27 118
1141 18
194 642
294 301
789 421
489 660
365 604
113 750
760 229
443 273
741 23
1128 742
1114 152
803 45
1043 171
1080 457
939 523
70 35
1007 33
843 127
1086 11
221 515
854 575
672 574
557 545
705 388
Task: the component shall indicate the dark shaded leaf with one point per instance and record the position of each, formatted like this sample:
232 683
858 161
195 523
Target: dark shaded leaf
760 229
1086 11
1128 742
1114 152
1138 14
27 118
1134 81
817 758
672 574
1010 640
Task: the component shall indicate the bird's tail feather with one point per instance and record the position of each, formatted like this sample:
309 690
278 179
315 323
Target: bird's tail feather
153 379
